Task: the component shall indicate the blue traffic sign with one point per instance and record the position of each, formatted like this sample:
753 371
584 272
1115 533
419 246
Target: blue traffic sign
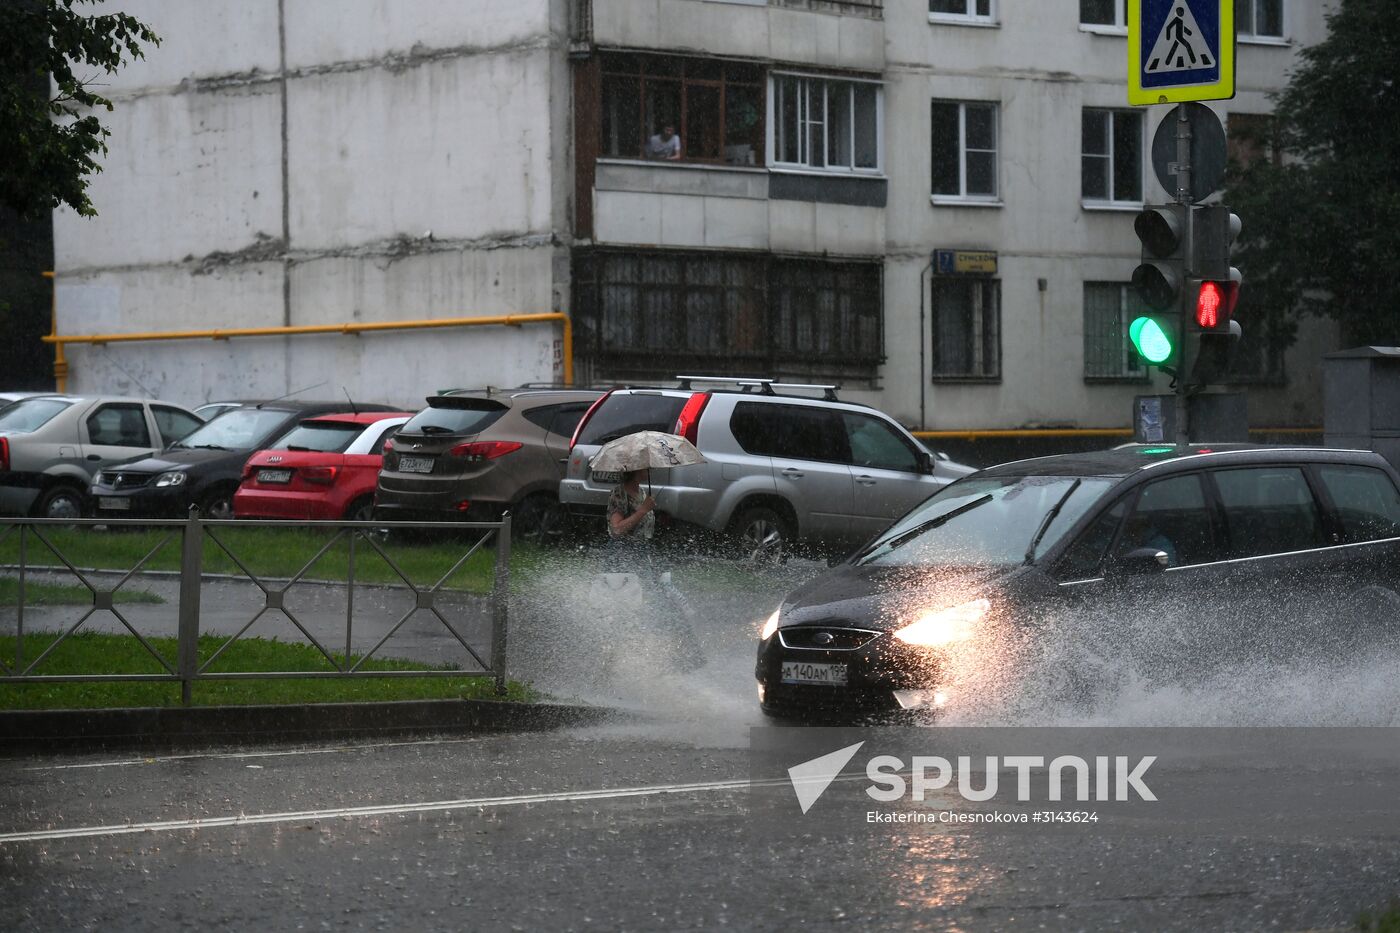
1180 50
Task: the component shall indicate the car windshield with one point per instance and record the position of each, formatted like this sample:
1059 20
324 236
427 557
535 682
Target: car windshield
331 437
449 415
625 414
987 521
30 414
241 429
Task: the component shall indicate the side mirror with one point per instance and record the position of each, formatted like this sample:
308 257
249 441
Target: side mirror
1141 562
928 463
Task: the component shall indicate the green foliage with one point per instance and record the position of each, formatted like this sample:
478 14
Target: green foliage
1385 921
99 653
49 145
1320 234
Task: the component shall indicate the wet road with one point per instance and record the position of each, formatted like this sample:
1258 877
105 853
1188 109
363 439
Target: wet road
648 823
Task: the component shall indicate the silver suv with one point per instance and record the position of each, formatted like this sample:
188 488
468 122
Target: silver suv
51 446
783 466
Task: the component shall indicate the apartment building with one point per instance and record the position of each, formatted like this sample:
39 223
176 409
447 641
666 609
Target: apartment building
929 202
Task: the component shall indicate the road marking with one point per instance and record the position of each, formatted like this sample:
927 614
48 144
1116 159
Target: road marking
128 762
432 806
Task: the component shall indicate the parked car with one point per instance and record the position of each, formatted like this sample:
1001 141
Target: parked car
51 446
782 467
7 397
324 468
1221 555
472 454
211 410
204 468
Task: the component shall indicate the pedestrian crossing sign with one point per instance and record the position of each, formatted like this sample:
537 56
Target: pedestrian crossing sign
1180 50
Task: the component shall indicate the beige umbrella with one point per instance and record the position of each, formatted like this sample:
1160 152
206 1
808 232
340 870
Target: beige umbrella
645 450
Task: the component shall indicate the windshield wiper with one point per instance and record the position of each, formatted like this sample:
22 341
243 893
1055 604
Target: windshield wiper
295 447
208 447
436 429
1050 517
905 537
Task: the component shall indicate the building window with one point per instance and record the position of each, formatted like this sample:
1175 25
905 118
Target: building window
1108 354
826 125
1112 160
714 109
961 11
652 314
1250 138
1112 13
966 329
1259 19
964 149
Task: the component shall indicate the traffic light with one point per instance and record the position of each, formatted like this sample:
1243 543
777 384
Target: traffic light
1158 283
1212 332
1162 232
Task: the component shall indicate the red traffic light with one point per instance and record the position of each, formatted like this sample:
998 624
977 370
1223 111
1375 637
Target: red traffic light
1208 304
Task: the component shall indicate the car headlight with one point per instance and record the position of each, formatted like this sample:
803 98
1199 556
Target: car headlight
173 478
945 626
770 626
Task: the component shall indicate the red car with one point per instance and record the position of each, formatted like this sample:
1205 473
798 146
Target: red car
324 468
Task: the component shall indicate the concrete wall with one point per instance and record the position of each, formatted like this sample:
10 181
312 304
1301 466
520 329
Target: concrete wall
271 164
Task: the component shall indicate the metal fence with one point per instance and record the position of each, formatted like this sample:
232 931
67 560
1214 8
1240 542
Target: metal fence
192 534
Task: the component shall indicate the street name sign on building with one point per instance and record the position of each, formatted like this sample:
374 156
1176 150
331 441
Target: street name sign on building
964 262
1180 50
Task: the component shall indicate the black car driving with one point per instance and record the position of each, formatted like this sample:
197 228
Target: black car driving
204 468
1199 556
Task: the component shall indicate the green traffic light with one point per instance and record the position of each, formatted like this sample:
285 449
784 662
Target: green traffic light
1151 341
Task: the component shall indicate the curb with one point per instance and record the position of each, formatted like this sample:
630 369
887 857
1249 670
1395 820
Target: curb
84 730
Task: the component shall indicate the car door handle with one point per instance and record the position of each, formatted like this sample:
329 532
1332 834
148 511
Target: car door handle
793 473
94 456
866 480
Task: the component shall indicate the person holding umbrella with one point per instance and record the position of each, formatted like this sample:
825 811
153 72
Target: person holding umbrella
631 518
632 514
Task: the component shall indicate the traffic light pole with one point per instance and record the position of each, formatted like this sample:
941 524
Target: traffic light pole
1183 196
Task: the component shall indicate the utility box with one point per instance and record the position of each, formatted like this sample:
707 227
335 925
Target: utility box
1361 400
1213 418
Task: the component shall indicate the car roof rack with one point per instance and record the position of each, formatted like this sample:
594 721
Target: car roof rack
764 386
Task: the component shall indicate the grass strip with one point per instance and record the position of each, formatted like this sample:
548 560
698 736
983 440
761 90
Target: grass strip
266 552
100 653
58 594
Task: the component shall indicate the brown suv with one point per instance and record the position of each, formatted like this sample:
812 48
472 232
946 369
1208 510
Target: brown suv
473 453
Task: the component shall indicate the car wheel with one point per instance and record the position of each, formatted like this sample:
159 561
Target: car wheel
60 502
538 519
217 506
762 535
361 510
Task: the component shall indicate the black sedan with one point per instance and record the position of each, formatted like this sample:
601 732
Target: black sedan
1180 557
204 468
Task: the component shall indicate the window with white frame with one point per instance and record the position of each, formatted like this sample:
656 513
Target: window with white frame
966 329
964 149
962 11
1107 13
1260 19
1112 156
1108 354
826 124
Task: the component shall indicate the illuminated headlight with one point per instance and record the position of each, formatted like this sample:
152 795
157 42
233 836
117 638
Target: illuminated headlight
945 626
770 626
173 478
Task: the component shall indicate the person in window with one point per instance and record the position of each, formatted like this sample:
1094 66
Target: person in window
631 527
665 145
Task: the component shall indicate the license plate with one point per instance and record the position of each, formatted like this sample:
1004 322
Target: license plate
112 503
605 478
274 476
799 672
416 464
